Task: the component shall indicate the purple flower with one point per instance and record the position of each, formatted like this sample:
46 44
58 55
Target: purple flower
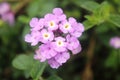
6 14
38 56
51 22
59 44
62 57
4 8
77 50
46 36
47 50
53 63
36 24
58 13
66 27
72 42
115 42
59 59
77 30
8 17
33 38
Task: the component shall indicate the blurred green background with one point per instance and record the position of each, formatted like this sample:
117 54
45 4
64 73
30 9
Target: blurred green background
97 61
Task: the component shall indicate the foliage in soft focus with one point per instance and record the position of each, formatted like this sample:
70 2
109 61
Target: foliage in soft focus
98 60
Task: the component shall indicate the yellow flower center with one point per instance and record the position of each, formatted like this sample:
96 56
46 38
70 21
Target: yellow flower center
67 26
51 24
60 43
46 36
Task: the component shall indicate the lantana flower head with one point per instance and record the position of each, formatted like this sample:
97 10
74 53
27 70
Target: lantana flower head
57 35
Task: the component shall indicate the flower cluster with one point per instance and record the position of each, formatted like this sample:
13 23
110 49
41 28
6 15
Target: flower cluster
58 37
115 42
6 13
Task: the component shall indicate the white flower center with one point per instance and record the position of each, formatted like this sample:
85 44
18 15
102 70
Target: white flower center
67 26
51 24
46 35
60 43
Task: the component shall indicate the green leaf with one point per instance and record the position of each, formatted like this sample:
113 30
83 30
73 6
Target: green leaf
33 8
37 69
86 4
40 7
88 24
104 10
54 77
24 19
115 19
22 62
47 7
26 30
100 15
30 66
1 23
104 28
74 13
112 60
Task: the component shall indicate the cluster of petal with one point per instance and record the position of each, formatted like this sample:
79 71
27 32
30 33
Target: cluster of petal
57 35
6 13
115 42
